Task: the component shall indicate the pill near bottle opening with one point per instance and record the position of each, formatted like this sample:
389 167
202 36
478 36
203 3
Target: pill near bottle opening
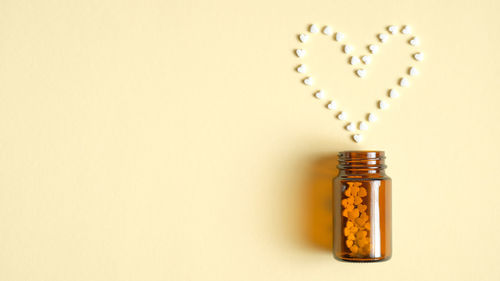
357 138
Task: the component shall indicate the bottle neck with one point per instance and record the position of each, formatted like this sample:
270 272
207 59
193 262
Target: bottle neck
362 164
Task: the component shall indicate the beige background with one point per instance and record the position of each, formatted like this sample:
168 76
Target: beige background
173 140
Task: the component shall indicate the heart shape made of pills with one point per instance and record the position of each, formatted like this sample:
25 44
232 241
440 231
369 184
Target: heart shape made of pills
360 72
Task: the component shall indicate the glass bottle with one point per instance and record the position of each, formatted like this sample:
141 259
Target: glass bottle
362 208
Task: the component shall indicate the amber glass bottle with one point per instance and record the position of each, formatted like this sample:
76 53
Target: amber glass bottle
362 208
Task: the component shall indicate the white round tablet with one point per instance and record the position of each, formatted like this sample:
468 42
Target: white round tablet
327 30
313 28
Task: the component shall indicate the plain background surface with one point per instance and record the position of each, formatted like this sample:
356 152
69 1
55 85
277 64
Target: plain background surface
173 140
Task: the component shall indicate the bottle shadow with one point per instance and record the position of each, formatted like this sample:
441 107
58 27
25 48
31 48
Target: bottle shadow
318 219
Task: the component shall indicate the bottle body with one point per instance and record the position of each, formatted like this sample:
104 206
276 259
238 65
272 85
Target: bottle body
362 208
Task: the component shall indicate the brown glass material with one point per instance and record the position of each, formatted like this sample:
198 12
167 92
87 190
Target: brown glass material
362 208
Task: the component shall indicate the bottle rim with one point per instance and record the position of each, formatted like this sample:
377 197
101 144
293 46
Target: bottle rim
361 159
362 154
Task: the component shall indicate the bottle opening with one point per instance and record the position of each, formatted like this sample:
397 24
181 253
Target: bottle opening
361 159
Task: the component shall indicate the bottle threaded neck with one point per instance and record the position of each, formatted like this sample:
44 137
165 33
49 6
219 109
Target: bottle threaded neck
361 160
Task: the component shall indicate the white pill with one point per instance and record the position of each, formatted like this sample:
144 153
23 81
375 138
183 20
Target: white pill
392 29
393 94
361 73
342 116
303 38
357 138
413 71
339 36
350 127
404 82
373 48
301 68
327 30
383 37
363 126
383 105
300 52
372 117
406 30
313 28
331 105
354 60
414 41
366 59
348 49
308 81
418 56
320 94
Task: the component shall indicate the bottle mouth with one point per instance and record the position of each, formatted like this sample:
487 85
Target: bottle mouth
362 154
361 159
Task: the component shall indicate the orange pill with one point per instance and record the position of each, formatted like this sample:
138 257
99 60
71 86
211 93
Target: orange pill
353 214
348 192
364 216
358 200
347 231
366 249
351 237
354 249
367 225
360 222
349 243
362 208
344 202
355 190
362 242
354 229
362 192
361 234
349 224
345 213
